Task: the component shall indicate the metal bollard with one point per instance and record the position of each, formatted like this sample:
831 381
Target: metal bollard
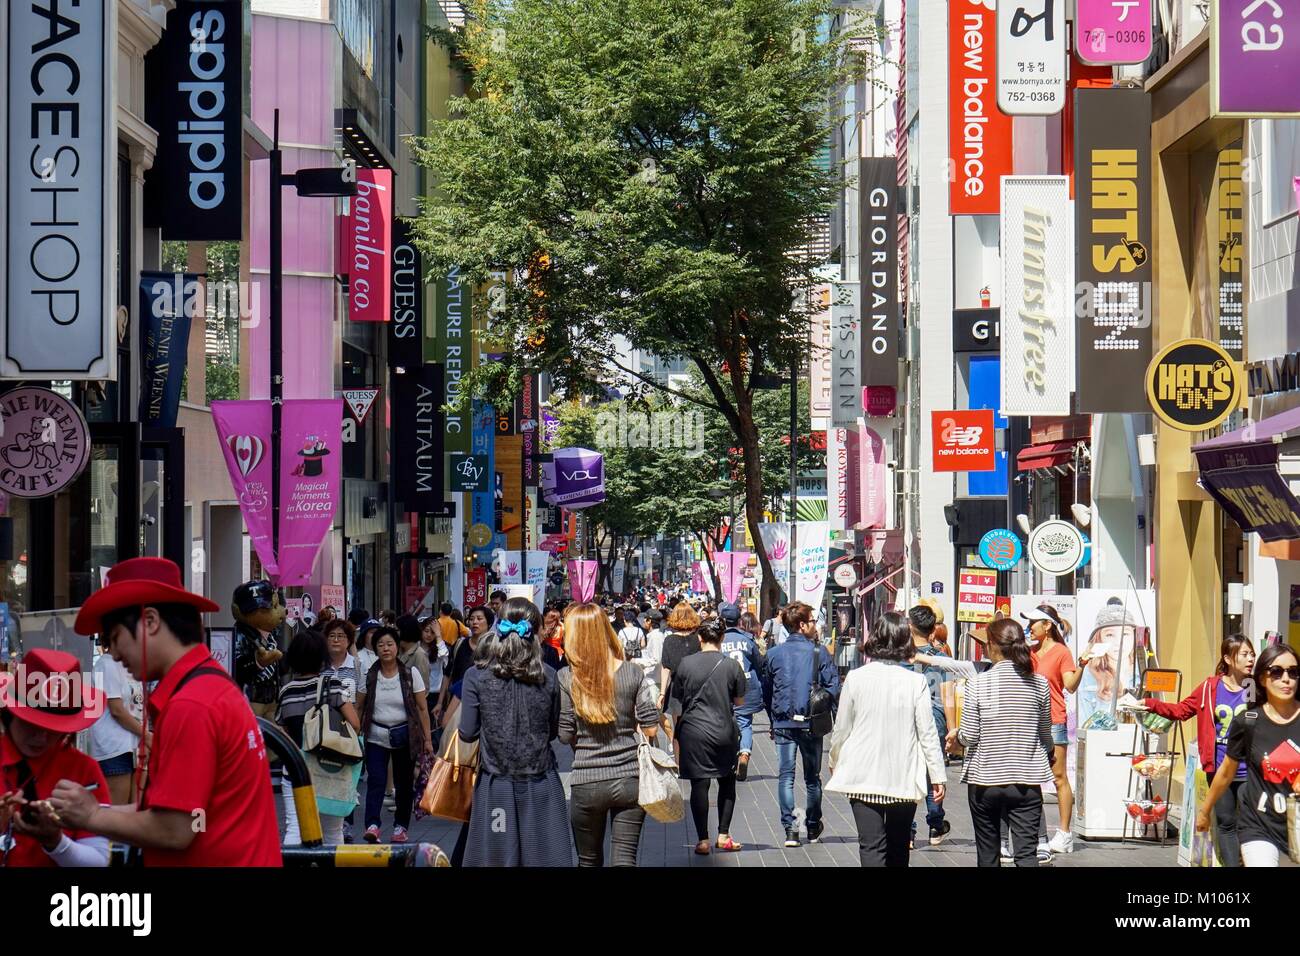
368 855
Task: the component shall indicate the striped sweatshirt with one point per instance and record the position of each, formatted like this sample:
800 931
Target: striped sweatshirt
1006 726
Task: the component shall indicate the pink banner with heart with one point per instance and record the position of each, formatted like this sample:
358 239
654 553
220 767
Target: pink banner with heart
731 567
582 579
310 442
244 428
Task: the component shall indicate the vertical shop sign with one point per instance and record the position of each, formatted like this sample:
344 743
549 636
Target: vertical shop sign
1038 294
979 134
451 344
1231 316
846 355
369 240
1113 223
416 438
60 159
1031 57
405 348
1255 58
881 315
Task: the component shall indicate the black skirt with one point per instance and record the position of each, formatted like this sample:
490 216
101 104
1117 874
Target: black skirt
519 821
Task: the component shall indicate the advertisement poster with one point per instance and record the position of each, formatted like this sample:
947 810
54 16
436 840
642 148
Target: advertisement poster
538 563
510 569
1196 849
1111 622
334 595
976 595
582 579
475 587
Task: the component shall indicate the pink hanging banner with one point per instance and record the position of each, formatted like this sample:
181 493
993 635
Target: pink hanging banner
582 579
732 583
697 578
310 468
244 428
872 474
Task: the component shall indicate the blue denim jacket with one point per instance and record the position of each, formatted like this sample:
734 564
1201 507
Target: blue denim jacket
788 676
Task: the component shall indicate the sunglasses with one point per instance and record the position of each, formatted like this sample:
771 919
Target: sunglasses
1276 672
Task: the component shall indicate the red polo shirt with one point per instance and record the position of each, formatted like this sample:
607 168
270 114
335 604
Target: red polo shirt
61 762
209 761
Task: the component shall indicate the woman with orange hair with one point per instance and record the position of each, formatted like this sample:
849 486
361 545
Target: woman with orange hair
604 700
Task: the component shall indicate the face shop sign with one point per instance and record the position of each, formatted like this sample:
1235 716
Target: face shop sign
58 321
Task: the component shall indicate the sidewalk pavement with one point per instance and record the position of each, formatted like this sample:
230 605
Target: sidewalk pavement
757 824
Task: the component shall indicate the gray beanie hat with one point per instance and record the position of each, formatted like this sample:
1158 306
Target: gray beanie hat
1113 614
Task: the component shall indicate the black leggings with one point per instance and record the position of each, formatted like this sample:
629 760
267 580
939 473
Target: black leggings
1225 822
700 804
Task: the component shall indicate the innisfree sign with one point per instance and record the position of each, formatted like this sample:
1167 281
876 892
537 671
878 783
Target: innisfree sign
1056 547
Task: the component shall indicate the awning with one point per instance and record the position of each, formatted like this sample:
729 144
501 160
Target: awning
1243 477
1273 428
1045 455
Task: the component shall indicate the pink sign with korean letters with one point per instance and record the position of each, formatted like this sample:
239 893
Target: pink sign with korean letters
1113 32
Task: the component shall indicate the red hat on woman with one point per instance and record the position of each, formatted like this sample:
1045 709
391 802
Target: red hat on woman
51 692
135 583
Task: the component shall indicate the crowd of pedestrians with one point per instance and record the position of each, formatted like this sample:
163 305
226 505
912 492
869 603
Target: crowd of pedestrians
507 686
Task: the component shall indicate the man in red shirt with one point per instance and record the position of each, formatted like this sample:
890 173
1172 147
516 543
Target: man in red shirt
207 799
40 708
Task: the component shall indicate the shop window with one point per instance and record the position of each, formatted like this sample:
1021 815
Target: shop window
1280 158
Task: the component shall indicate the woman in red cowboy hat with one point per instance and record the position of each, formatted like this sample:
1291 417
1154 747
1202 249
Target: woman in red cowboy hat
207 801
41 707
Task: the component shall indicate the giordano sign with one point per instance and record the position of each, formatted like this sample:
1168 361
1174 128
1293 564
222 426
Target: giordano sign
1194 384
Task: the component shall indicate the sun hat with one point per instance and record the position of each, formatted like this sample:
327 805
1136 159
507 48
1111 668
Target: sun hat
137 582
55 695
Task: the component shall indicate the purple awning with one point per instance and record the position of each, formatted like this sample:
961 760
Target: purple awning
1263 430
1243 477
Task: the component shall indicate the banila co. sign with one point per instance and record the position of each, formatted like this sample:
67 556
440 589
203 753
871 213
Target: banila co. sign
59 318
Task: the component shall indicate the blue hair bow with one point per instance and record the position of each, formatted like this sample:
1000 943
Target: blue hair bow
522 628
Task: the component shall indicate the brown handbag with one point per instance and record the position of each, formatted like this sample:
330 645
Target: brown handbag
450 793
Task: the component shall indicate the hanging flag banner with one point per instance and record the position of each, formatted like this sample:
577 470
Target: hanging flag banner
475 587
360 401
310 468
838 491
483 529
775 536
582 579
60 161
528 430
979 134
1038 290
963 440
195 76
1113 228
881 313
244 428
1113 32
1255 58
579 478
873 490
697 578
168 303
369 240
538 562
416 438
1031 57
812 561
510 568
846 355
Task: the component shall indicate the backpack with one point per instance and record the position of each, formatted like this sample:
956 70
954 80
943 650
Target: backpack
632 645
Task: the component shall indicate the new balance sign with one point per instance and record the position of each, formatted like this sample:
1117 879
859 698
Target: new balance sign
963 440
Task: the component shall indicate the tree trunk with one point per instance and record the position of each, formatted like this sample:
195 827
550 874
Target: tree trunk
769 596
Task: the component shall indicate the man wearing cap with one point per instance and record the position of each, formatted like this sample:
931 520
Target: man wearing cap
47 701
741 647
208 798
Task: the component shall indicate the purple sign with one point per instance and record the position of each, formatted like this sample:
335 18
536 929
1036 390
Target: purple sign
1244 479
576 478
1256 58
44 443
1110 32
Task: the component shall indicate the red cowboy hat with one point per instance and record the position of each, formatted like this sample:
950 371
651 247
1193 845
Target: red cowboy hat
51 692
135 583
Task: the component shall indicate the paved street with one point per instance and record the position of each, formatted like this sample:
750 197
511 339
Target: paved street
757 824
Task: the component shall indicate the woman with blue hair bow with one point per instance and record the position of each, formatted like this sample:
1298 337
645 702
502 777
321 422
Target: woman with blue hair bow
510 704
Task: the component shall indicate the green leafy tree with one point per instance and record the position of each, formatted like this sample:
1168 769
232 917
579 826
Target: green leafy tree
643 168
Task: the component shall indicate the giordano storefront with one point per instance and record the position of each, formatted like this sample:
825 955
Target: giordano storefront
1198 263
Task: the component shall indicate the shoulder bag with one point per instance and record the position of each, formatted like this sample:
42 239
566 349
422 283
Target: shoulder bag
326 734
450 792
658 792
820 717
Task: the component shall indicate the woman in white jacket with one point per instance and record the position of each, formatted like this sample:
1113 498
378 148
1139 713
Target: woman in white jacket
885 743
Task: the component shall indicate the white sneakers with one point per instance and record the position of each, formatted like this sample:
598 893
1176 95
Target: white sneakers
1063 842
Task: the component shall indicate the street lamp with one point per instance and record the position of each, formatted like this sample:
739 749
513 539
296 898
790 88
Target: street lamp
327 182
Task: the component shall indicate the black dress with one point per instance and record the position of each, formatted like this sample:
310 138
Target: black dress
706 685
519 816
